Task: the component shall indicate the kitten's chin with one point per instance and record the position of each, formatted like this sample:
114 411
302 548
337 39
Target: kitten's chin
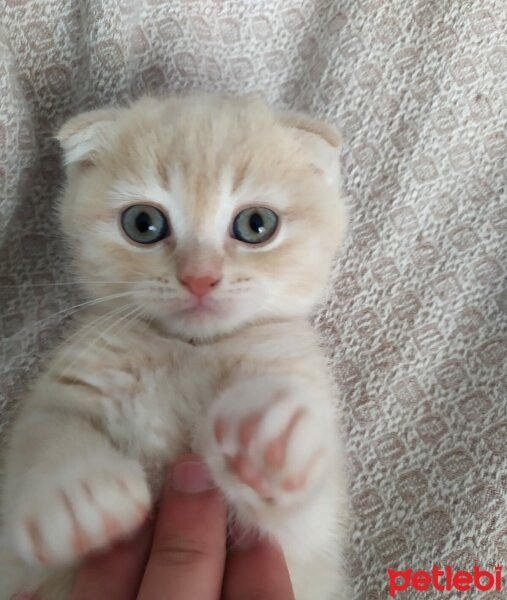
206 321
200 329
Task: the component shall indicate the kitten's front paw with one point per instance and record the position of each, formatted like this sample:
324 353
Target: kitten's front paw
270 444
83 510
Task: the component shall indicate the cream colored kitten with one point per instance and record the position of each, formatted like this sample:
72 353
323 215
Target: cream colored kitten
206 226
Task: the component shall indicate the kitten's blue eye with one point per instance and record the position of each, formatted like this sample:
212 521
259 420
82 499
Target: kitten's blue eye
255 225
144 224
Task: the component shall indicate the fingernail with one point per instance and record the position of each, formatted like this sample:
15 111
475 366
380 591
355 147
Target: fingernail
191 478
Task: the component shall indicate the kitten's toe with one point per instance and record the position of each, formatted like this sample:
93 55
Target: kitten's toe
81 514
274 443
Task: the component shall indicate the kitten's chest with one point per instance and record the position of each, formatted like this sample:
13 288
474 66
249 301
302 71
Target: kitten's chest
160 393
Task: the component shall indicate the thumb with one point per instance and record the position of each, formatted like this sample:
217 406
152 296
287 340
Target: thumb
188 553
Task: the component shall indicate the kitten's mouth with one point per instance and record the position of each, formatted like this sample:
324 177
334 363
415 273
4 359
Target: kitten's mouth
203 307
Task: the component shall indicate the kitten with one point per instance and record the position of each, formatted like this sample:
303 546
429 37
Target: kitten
204 227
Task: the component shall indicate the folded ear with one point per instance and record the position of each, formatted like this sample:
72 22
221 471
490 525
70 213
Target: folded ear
320 139
82 136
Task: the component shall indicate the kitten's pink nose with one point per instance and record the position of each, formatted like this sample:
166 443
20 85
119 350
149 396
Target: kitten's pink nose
199 286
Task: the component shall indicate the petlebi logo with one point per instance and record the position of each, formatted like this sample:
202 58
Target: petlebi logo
445 579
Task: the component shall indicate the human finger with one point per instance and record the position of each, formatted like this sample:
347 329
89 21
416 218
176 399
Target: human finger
188 553
256 569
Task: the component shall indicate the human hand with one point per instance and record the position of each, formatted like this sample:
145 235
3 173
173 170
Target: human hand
183 554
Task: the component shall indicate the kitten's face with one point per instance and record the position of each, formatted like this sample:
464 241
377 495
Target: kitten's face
210 212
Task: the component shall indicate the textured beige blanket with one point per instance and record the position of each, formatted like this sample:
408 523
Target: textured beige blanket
416 324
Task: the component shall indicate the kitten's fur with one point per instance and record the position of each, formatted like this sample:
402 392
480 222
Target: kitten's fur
130 391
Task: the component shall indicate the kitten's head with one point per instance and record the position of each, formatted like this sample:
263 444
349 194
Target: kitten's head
209 212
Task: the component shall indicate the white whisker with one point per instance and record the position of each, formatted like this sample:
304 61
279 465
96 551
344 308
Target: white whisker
62 283
133 318
73 309
80 334
100 335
